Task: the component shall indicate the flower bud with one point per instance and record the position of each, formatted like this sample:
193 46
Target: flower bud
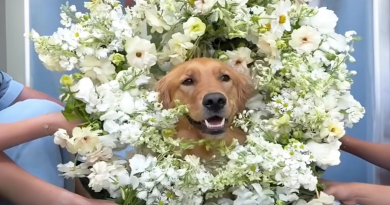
117 58
67 80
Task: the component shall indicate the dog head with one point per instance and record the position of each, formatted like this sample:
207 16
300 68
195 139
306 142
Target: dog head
213 92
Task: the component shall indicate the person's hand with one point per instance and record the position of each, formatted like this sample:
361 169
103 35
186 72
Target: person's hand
343 192
99 202
58 121
85 201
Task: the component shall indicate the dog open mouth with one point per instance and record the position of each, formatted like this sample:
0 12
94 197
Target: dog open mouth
213 125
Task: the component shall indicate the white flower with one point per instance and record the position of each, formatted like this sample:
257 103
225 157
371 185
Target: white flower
142 80
323 200
192 160
204 6
180 43
51 63
337 42
332 130
100 176
70 170
194 27
305 39
127 103
85 139
267 44
140 53
100 69
176 59
100 153
286 194
258 196
239 59
155 20
139 163
256 102
325 21
85 90
325 154
281 22
110 126
349 35
61 138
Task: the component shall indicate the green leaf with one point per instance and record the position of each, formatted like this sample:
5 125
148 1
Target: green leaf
69 116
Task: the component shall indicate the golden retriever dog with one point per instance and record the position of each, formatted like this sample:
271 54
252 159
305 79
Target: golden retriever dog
214 94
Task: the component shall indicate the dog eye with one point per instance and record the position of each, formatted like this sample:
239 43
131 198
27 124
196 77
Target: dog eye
225 78
188 81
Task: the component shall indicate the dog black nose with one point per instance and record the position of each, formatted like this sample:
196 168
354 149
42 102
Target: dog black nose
214 101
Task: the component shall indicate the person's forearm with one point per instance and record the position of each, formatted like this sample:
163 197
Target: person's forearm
378 154
29 93
369 194
12 134
21 188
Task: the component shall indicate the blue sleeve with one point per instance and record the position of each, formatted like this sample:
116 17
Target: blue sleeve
9 90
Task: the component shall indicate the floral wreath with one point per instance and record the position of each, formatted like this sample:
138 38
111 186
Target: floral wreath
294 122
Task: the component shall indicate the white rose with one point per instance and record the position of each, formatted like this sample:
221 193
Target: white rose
325 154
85 90
325 21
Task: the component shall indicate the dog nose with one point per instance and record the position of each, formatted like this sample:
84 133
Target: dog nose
214 101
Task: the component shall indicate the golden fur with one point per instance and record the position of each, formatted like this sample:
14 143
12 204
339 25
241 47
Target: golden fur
206 73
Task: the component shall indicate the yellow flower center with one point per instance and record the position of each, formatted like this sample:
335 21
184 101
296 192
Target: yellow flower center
195 27
268 26
282 19
333 128
77 34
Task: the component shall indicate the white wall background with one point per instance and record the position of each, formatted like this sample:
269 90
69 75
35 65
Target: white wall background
12 41
3 51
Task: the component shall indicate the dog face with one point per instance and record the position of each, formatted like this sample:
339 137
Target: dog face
213 92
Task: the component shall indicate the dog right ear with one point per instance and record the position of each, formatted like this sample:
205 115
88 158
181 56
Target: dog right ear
164 92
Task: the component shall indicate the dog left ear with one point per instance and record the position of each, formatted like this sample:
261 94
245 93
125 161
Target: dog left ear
245 89
164 92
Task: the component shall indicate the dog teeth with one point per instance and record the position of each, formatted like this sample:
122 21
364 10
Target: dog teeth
210 126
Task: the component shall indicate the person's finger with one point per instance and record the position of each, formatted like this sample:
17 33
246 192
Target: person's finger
329 183
330 191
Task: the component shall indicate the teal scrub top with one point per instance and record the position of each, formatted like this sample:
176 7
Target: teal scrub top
39 157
